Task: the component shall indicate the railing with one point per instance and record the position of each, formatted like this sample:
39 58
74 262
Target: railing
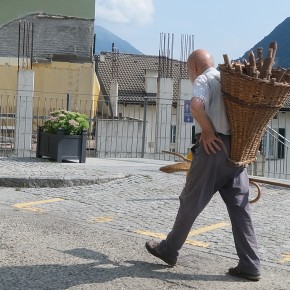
140 130
277 156
273 159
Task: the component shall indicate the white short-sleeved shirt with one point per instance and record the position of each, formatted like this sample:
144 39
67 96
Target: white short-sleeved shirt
207 88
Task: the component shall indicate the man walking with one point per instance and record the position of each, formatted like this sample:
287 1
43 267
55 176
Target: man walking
210 172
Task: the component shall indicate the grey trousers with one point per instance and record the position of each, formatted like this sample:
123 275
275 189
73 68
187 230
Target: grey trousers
207 175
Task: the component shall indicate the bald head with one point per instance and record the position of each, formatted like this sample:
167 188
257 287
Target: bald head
199 61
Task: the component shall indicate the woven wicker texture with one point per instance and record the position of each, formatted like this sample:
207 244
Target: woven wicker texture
285 78
247 127
250 104
253 90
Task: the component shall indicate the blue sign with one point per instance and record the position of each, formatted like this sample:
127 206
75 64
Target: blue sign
187 114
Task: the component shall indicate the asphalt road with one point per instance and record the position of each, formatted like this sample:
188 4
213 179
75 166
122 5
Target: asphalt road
92 236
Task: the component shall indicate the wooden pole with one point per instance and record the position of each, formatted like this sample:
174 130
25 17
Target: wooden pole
270 182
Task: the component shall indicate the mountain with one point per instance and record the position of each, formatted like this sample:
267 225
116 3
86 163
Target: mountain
281 34
104 40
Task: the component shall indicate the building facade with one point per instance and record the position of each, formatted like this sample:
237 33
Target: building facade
53 39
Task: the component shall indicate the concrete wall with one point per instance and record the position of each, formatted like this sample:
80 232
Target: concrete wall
8 76
135 111
51 36
52 83
183 138
163 114
66 37
119 136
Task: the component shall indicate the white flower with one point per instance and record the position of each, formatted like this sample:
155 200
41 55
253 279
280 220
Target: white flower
73 123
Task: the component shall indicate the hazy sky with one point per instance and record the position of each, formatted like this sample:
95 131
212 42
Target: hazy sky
220 26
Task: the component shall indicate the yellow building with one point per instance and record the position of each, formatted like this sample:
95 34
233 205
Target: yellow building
55 39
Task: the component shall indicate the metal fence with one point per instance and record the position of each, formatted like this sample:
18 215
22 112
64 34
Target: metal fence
140 130
273 159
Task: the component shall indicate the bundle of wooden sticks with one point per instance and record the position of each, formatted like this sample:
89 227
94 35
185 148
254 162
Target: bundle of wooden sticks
253 93
258 67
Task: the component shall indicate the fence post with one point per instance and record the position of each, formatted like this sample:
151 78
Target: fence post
68 102
24 113
144 126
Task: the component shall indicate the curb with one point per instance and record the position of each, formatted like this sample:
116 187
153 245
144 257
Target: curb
53 182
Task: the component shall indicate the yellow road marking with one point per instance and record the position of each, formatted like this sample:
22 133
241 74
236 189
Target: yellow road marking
207 229
285 259
197 243
162 237
29 205
191 234
103 219
151 234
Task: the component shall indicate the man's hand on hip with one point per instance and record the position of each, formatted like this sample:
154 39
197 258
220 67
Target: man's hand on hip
210 141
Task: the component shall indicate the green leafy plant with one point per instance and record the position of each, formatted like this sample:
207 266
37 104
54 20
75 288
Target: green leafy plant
72 123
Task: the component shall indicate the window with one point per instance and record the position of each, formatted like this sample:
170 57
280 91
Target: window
276 143
172 133
281 143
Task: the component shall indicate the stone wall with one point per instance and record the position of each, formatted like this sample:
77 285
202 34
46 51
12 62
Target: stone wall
52 35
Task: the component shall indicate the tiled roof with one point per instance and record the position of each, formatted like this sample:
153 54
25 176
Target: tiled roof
131 71
131 74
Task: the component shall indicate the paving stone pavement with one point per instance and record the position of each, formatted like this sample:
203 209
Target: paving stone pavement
132 197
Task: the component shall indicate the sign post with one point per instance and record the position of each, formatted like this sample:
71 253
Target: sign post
187 113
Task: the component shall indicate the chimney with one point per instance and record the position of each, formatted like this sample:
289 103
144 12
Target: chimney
151 76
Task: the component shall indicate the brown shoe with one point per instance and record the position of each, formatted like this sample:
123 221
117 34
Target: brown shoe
237 273
152 248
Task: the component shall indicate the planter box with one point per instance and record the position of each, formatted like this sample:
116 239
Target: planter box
60 146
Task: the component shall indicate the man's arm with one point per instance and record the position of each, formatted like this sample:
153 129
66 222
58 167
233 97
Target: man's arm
208 138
